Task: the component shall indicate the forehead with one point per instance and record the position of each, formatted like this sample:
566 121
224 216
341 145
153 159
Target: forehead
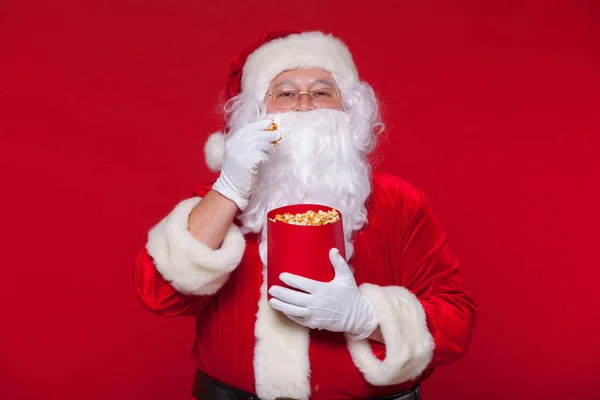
304 75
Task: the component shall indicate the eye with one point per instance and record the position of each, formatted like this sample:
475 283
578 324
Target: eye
285 94
323 93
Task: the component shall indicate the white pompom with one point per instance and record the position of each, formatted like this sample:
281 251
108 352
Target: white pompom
213 151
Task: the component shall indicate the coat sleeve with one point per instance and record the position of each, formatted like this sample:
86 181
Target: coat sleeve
176 274
427 318
158 295
433 276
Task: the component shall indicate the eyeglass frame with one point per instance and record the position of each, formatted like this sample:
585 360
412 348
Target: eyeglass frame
300 93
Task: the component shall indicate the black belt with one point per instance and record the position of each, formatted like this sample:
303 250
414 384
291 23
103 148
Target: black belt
207 388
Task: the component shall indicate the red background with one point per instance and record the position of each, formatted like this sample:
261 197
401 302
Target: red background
492 109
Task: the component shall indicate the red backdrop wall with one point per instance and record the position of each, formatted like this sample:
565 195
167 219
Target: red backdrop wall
491 108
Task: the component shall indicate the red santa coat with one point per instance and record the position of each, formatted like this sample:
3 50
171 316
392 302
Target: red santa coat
402 264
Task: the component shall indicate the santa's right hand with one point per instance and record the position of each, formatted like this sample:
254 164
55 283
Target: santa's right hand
245 150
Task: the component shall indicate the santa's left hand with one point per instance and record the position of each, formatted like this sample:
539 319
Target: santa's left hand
336 306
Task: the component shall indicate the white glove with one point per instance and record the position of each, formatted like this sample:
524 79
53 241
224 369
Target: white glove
244 151
336 306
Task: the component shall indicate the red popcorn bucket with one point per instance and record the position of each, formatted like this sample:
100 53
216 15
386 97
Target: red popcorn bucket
301 249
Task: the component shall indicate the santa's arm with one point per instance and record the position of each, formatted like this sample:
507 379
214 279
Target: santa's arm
176 274
427 318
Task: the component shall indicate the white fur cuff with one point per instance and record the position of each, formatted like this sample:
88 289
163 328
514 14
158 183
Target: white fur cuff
190 266
409 345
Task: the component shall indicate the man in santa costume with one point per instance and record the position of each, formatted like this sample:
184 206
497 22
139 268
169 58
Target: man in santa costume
396 308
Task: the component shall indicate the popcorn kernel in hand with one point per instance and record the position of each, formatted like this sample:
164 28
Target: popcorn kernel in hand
273 127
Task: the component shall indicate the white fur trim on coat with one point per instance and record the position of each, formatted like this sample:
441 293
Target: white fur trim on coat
190 266
409 345
213 151
281 364
301 50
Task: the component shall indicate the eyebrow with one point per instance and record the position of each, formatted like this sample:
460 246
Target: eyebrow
312 83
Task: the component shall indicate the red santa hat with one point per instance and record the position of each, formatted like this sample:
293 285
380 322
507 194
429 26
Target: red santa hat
253 69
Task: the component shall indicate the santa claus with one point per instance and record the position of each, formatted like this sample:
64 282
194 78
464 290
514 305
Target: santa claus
396 308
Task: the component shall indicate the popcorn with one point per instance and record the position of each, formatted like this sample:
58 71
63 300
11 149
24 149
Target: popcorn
273 127
309 218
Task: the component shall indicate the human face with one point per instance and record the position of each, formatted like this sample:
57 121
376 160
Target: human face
303 80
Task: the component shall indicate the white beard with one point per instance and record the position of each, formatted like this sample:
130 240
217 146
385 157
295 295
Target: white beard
317 162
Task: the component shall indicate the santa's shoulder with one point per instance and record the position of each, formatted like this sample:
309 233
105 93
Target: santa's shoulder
393 187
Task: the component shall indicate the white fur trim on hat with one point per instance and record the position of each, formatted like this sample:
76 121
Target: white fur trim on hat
189 265
408 343
301 50
213 151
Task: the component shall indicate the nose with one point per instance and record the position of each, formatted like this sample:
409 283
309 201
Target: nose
304 103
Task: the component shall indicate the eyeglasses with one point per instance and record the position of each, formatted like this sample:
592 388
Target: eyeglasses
289 98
